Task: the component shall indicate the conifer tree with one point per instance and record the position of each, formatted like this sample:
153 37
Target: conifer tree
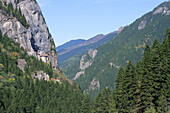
86 107
147 80
119 90
130 86
104 102
139 73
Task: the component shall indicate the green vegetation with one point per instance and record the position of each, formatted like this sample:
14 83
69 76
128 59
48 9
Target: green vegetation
37 96
82 50
128 45
20 93
145 87
8 9
142 88
10 52
70 62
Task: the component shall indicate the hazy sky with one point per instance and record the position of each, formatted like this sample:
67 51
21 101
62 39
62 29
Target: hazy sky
75 19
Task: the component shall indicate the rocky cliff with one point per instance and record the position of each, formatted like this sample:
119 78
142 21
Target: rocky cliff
85 62
36 39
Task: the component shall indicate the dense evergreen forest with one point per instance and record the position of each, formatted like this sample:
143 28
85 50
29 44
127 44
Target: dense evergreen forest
143 88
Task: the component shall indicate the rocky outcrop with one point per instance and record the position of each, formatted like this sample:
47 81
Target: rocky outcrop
92 53
78 75
120 29
85 62
142 24
36 39
95 84
21 64
114 65
40 75
163 10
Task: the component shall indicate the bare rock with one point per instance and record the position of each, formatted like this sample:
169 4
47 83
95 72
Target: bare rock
40 75
92 53
21 64
163 10
85 62
36 39
78 75
120 29
95 84
142 24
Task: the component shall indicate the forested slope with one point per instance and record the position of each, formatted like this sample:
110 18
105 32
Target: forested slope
128 45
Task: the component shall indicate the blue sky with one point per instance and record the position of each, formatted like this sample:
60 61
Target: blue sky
83 19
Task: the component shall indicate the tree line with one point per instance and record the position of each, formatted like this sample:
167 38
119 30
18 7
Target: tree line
140 88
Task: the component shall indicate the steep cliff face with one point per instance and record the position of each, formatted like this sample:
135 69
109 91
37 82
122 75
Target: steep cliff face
85 62
36 39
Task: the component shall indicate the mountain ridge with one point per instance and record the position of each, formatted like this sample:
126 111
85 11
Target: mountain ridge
91 43
69 44
128 45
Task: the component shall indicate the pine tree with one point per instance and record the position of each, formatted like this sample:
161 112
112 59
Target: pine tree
165 57
147 80
119 90
156 70
130 86
86 107
104 102
139 73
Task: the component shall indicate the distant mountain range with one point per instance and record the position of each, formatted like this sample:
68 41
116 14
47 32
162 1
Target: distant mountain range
70 44
80 46
96 73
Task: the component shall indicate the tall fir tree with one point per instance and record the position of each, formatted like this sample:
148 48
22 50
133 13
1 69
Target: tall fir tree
130 86
147 80
119 93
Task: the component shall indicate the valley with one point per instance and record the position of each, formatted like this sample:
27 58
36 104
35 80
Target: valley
124 71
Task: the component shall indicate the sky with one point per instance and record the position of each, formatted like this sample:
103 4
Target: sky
82 19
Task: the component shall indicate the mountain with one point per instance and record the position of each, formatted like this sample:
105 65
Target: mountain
22 21
30 80
100 72
69 44
82 48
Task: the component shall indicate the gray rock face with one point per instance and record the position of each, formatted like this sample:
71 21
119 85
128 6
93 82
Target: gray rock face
95 84
36 39
78 75
21 64
40 39
92 53
142 24
15 30
40 75
85 63
163 10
